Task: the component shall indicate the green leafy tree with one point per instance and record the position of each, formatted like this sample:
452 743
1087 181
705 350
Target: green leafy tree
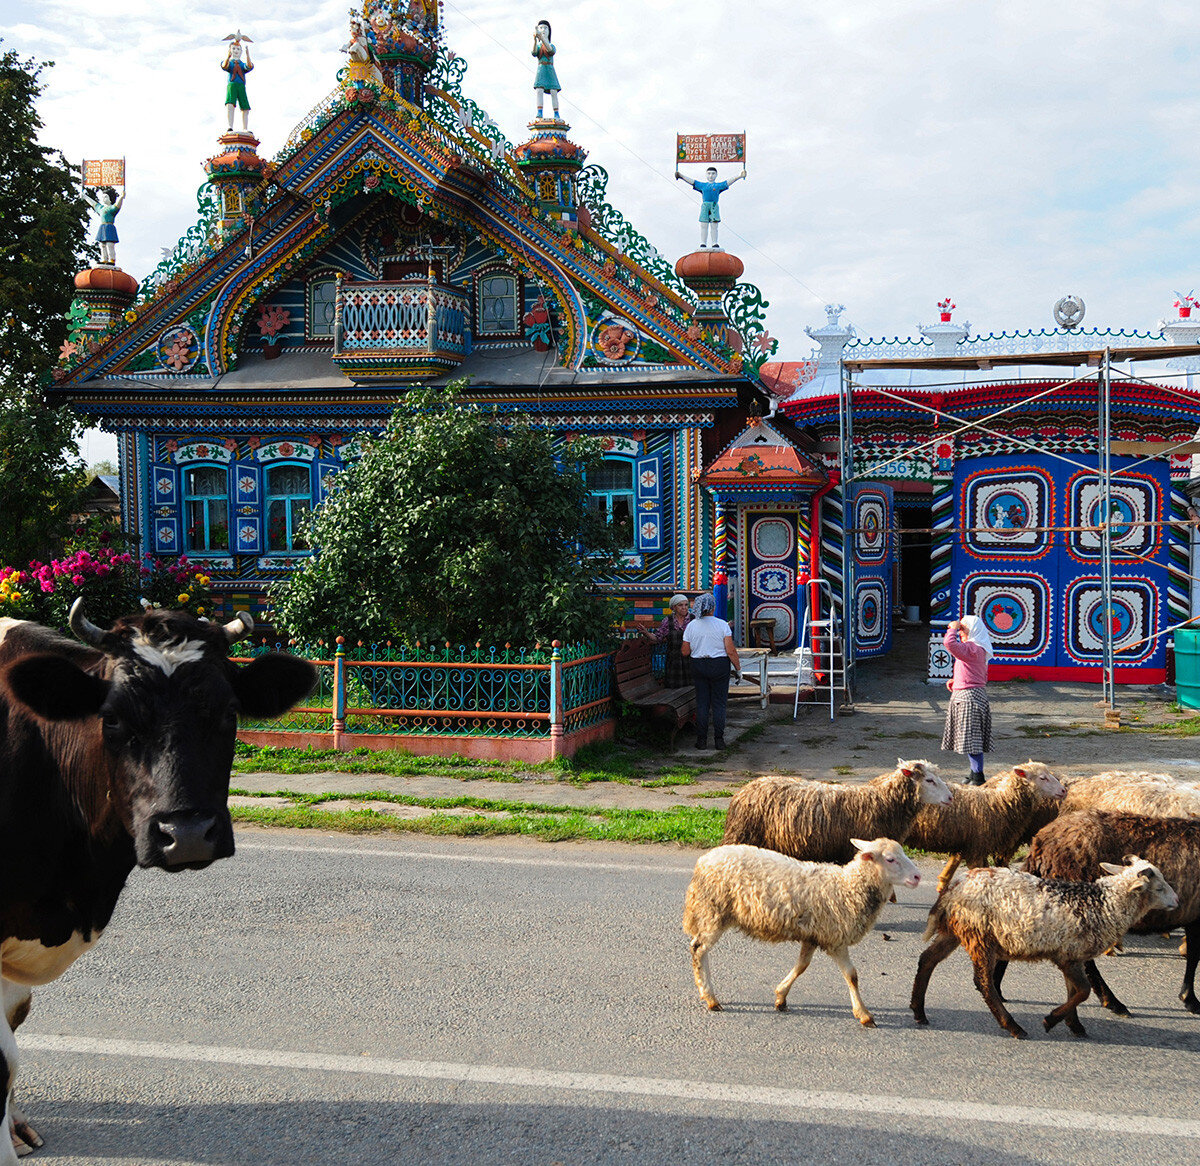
42 239
454 527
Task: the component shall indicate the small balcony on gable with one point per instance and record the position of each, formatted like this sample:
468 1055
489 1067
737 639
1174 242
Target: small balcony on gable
399 329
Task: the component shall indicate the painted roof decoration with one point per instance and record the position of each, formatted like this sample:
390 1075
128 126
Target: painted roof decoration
809 388
761 461
397 170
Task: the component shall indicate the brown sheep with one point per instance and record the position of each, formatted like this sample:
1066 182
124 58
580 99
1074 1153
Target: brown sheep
1074 847
984 822
997 913
1100 792
816 820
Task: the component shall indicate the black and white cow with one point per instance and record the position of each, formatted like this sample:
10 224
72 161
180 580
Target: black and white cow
114 753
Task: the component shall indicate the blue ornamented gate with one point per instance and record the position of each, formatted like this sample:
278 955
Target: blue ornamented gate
772 565
874 546
1028 562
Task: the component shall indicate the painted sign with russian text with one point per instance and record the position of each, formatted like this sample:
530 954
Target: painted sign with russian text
710 148
104 172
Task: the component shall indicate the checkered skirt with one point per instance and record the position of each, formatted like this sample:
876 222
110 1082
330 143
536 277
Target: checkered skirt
968 722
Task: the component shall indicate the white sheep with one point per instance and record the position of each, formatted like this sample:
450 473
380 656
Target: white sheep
772 897
1005 914
1154 795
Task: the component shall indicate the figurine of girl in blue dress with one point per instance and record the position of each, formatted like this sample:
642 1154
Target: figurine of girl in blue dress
106 234
546 80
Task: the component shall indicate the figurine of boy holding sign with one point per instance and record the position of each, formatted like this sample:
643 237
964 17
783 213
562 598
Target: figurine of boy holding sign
710 212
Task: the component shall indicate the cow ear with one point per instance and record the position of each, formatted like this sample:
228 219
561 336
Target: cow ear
269 685
55 688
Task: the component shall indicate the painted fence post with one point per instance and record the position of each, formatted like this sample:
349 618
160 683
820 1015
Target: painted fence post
720 578
556 700
339 694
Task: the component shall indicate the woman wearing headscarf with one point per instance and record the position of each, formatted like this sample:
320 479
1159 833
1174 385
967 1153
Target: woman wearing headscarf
708 643
678 673
969 717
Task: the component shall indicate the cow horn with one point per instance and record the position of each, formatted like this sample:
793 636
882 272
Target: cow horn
83 627
240 626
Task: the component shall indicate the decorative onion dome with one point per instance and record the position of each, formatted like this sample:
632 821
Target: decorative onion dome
550 162
709 275
708 266
238 156
553 146
107 279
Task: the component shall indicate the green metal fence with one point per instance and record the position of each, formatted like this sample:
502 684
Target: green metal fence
449 691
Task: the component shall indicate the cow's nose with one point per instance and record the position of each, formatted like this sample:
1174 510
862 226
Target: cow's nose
186 838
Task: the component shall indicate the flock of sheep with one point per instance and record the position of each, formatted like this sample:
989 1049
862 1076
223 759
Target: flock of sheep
813 863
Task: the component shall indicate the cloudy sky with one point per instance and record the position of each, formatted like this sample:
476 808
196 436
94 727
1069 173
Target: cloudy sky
1002 153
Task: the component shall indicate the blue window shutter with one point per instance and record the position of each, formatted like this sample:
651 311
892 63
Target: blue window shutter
323 472
245 492
167 526
648 484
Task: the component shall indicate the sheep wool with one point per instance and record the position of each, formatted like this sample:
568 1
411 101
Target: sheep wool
985 821
1009 914
816 820
1074 847
778 899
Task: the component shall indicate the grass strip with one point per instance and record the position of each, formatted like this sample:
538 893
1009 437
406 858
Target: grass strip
606 761
690 826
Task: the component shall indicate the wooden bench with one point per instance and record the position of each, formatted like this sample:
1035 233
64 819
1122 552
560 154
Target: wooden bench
636 684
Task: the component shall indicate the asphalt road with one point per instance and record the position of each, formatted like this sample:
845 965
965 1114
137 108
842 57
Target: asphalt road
324 999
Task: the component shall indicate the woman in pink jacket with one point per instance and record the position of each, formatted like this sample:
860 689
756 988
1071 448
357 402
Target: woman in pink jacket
969 717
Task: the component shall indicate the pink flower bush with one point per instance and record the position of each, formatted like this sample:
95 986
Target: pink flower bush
78 568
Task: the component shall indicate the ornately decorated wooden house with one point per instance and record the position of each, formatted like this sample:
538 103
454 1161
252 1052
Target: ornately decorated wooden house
398 238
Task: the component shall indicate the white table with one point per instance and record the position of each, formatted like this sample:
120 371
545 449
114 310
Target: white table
754 670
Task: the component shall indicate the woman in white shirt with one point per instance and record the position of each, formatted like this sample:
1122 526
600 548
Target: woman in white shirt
708 644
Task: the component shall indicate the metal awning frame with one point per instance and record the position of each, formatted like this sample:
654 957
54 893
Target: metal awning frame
1099 360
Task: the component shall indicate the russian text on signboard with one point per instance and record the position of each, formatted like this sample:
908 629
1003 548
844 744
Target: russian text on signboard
710 147
104 172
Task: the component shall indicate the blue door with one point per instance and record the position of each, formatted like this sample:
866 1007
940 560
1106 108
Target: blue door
772 564
874 543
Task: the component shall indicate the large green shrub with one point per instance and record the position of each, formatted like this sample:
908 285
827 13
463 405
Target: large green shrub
455 526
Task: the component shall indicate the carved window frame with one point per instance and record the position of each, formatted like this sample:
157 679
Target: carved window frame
310 284
493 271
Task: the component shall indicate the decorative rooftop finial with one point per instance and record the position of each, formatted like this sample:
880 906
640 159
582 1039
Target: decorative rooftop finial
833 313
1185 303
235 90
945 336
361 67
546 79
1068 312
